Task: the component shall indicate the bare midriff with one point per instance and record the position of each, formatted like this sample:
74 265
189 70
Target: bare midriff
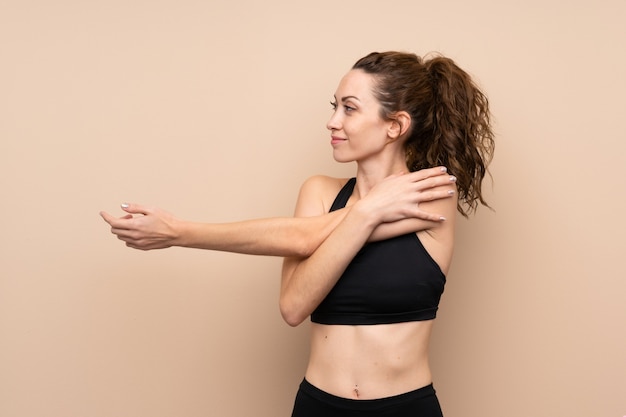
372 361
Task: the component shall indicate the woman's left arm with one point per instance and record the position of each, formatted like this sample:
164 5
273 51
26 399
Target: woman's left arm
306 281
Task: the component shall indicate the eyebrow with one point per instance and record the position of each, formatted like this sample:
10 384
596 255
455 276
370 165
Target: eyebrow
346 98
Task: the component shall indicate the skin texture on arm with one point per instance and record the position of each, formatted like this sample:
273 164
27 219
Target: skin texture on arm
147 228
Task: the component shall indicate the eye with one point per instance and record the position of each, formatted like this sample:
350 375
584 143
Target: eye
348 109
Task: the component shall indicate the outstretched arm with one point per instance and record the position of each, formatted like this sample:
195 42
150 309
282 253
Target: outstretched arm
148 228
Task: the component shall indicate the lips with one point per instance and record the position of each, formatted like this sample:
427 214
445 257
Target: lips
336 139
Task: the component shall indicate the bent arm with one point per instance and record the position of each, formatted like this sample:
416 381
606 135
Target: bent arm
384 212
305 282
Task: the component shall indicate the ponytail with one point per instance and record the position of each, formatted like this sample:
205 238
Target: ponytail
450 117
462 139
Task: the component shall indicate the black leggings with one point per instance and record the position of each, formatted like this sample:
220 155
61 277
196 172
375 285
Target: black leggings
313 402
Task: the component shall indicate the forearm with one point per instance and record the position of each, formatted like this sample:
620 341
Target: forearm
306 282
401 227
278 236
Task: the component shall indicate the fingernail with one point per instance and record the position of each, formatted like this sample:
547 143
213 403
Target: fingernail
453 178
444 169
125 205
442 218
450 192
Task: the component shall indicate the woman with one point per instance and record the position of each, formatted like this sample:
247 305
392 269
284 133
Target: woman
372 277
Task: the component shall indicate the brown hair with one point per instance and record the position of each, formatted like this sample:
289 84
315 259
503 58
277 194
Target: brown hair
450 119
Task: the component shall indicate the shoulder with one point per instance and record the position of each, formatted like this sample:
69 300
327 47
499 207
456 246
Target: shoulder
323 184
438 238
317 194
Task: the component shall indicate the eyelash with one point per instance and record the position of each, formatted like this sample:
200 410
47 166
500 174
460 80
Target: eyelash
348 109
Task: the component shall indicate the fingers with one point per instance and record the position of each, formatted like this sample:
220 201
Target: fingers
425 178
118 222
115 222
431 182
111 220
135 208
435 193
132 238
106 216
423 174
120 227
134 245
423 215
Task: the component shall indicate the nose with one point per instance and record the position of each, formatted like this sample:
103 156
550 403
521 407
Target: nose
333 123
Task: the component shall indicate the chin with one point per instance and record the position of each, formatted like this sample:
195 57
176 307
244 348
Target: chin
342 159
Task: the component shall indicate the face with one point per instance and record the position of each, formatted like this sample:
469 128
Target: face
357 130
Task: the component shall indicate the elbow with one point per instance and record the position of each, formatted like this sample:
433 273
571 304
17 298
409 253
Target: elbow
292 315
292 321
303 247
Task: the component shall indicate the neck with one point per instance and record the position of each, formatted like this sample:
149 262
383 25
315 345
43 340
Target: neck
370 173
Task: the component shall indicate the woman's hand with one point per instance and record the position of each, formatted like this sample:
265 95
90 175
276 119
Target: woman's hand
144 228
398 197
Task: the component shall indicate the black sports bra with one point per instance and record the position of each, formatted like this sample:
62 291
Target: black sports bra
390 281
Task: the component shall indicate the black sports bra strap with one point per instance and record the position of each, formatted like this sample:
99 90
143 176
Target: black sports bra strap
344 195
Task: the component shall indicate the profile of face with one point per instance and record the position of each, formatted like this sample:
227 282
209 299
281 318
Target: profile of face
358 132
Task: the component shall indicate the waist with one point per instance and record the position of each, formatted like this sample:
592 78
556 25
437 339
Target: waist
373 361
377 404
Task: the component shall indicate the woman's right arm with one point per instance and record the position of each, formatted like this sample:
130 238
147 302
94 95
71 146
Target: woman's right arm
148 228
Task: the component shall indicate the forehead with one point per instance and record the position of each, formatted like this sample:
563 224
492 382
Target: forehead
356 83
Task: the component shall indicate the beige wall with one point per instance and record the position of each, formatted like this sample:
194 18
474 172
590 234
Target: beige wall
216 111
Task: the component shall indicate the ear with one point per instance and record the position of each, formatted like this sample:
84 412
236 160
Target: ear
400 125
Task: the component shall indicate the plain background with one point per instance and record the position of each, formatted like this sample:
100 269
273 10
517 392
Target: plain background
216 111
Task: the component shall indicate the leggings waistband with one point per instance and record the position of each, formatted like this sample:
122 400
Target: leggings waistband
353 404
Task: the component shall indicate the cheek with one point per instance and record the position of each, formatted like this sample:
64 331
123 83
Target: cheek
365 131
376 131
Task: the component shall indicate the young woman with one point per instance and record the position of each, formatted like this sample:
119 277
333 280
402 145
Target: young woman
370 265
